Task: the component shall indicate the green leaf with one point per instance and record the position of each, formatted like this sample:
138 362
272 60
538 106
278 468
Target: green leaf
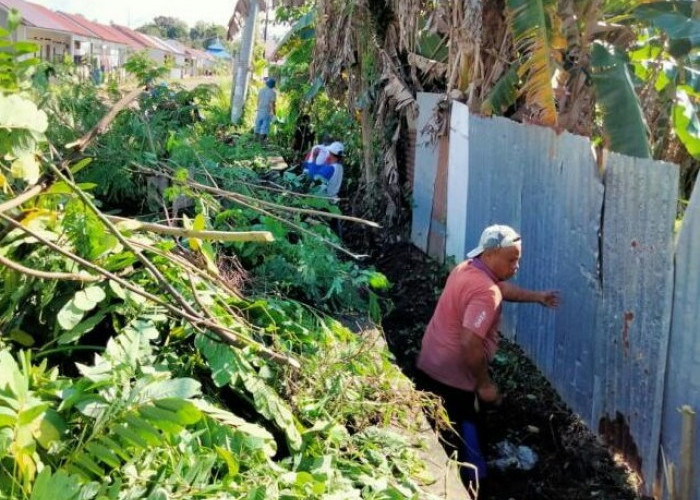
183 388
30 414
83 327
58 486
16 112
51 429
104 454
165 420
186 412
69 316
274 408
686 124
21 337
682 30
80 165
87 299
8 417
258 493
23 47
623 118
503 94
26 167
230 459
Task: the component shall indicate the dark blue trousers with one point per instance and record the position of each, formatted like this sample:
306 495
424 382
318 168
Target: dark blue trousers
461 407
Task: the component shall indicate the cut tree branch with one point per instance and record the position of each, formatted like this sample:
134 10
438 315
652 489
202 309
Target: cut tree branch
135 225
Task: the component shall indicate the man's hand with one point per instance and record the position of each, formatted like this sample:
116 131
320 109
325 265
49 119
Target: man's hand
549 298
488 393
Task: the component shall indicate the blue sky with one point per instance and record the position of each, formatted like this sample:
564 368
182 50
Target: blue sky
135 13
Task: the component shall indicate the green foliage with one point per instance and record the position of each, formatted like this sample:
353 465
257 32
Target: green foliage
623 117
202 34
503 94
166 27
145 69
125 388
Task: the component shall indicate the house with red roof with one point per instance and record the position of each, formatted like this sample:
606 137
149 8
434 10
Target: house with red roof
110 49
61 35
56 39
158 52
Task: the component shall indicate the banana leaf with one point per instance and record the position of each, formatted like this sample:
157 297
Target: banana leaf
686 123
503 94
623 118
535 28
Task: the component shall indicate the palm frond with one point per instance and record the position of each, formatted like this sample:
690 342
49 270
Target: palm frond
535 28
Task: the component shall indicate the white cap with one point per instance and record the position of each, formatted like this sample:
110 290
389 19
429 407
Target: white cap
496 236
336 148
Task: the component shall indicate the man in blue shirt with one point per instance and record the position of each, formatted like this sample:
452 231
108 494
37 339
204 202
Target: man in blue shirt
267 98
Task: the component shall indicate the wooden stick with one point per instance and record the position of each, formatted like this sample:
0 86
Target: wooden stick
237 197
136 225
46 275
25 196
687 444
81 144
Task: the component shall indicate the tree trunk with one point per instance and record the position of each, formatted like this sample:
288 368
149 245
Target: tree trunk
241 71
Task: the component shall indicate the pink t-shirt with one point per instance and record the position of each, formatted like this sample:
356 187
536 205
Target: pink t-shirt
471 300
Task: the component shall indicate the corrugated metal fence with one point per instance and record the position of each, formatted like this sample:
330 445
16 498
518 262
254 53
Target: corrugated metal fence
623 349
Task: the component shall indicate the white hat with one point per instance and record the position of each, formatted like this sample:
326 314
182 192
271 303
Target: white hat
336 148
496 236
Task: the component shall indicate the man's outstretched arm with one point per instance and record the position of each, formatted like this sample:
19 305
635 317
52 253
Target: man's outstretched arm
513 293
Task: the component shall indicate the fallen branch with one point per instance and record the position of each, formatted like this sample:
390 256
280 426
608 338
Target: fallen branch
227 335
305 231
46 275
103 125
241 197
157 275
25 196
135 225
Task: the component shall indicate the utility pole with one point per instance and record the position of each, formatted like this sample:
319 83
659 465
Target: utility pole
241 68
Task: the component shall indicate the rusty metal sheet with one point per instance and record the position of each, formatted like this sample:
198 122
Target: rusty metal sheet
637 283
683 371
426 164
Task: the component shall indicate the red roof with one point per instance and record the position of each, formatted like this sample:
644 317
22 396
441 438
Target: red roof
137 37
39 16
100 30
76 27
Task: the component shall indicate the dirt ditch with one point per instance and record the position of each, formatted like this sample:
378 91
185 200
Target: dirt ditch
571 464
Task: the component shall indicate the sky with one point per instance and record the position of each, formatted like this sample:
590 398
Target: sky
135 13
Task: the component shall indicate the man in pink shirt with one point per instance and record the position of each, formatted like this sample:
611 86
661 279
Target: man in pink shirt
462 336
